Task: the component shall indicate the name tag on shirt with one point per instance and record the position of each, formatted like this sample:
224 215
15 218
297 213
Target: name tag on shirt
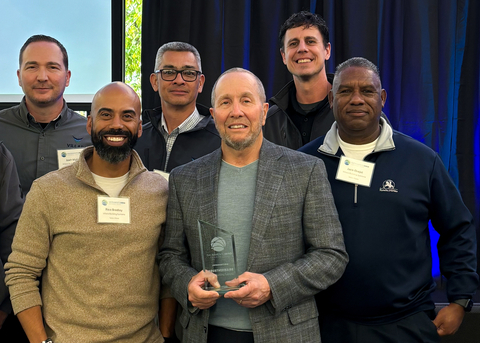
113 210
164 174
67 156
355 171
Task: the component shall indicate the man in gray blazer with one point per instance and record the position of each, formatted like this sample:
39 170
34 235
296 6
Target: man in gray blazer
277 202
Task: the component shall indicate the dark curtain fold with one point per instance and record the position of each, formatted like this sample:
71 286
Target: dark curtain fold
427 52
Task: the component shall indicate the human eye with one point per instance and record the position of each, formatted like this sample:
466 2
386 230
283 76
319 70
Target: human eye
168 72
223 102
368 91
189 73
128 116
293 44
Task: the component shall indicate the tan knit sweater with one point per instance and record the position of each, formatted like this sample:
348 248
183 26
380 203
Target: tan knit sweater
100 282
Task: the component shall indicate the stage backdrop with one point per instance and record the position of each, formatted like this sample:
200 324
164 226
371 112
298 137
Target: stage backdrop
428 53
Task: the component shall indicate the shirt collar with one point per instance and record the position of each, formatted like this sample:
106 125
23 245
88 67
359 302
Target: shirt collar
187 125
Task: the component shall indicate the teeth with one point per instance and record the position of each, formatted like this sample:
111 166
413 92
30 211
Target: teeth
305 60
237 126
115 139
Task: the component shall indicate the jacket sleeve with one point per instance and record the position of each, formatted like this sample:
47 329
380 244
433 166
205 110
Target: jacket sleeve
27 260
11 203
175 268
325 257
457 243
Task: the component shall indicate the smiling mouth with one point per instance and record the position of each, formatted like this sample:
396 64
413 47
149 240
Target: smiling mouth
115 138
304 60
237 126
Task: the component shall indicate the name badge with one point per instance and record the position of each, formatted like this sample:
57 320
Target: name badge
67 156
164 174
355 171
113 210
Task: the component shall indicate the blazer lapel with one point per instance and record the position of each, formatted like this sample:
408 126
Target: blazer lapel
269 180
207 187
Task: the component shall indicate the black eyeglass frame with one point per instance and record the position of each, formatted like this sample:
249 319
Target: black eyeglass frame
197 72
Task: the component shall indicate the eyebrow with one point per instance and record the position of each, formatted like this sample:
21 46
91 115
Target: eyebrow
48 63
170 66
106 109
229 96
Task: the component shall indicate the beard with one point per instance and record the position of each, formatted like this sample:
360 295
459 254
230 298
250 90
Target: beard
114 154
243 144
240 145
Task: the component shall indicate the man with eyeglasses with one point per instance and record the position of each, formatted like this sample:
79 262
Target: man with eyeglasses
180 130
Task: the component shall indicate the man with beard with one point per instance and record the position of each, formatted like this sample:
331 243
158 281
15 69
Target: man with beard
42 127
92 231
288 239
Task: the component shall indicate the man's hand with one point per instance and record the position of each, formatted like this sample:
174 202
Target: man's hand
255 292
3 316
197 295
448 319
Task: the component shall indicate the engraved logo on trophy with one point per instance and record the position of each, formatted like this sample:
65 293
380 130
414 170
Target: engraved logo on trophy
217 247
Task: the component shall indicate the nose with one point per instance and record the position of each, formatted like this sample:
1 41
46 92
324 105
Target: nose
117 123
302 46
178 79
236 109
357 98
42 74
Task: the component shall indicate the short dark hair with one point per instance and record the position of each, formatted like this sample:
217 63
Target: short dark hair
357 62
307 19
43 38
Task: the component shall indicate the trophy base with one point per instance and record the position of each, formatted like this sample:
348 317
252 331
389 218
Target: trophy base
223 289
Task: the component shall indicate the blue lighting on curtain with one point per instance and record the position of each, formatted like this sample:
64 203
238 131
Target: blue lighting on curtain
476 154
246 35
222 21
434 236
313 5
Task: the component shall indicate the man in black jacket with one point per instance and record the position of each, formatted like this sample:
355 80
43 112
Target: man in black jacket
180 130
11 203
300 112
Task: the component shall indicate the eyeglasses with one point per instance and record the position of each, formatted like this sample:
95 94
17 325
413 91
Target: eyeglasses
188 75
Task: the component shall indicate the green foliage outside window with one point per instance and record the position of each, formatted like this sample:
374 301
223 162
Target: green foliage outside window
133 44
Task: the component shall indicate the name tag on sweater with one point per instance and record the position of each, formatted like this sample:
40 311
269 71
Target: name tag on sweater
355 171
67 156
113 210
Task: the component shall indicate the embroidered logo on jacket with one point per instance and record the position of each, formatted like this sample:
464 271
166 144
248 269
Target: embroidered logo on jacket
388 186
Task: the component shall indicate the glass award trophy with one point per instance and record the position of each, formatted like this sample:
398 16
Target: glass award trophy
217 247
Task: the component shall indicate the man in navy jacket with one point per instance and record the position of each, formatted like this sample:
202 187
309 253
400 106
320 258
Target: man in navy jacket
387 188
180 130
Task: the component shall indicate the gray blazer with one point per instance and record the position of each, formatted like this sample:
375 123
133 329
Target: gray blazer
296 242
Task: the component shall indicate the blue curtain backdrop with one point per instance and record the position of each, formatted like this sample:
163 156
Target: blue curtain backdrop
428 52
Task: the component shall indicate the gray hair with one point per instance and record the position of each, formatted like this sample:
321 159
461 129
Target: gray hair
177 46
357 62
260 88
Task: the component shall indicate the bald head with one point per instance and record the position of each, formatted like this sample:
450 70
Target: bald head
116 90
114 123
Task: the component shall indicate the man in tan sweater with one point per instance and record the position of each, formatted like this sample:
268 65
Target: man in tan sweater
92 232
